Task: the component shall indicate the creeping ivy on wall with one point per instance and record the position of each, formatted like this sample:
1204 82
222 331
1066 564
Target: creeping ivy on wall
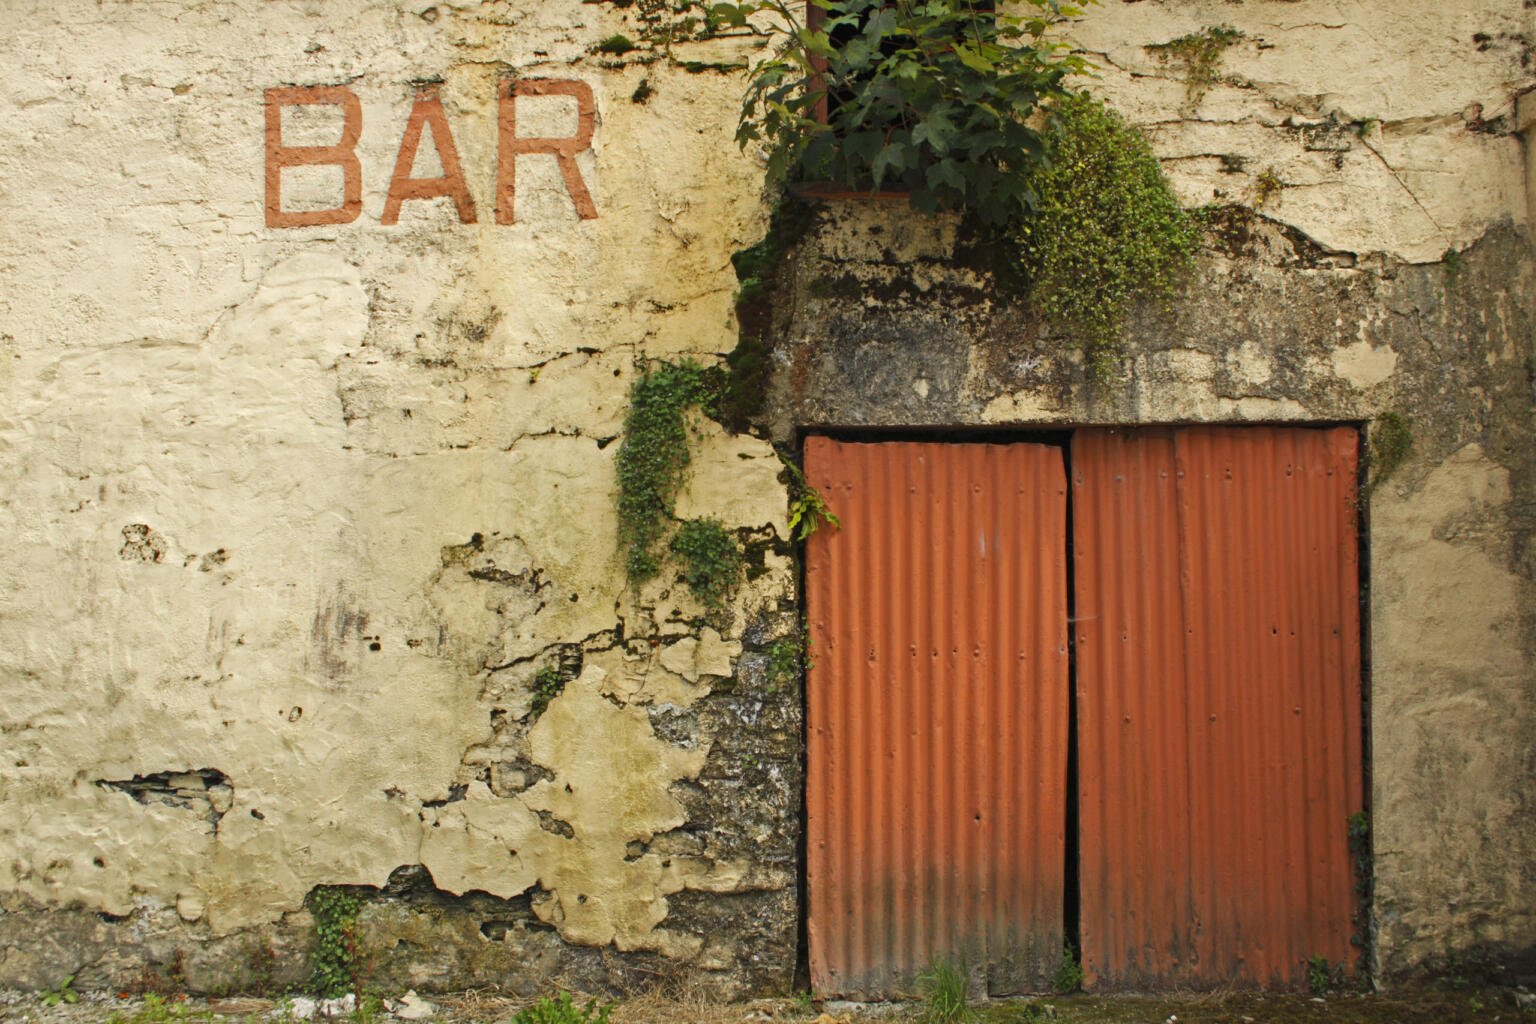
935 98
653 460
334 956
652 464
712 561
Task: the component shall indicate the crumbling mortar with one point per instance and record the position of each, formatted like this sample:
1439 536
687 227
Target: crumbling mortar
552 432
1291 250
593 643
509 735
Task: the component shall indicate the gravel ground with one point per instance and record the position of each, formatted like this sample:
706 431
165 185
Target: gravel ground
1420 1006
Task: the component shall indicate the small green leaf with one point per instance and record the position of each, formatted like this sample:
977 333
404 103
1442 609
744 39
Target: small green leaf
892 159
972 59
864 146
879 24
946 173
936 131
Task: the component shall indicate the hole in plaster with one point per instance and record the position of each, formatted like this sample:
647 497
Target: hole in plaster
455 794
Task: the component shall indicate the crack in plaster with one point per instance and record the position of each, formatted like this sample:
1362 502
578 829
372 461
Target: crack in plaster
1404 185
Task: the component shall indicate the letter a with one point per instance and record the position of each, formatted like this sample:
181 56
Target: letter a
342 155
428 112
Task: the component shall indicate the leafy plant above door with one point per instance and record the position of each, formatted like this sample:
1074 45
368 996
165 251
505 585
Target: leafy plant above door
971 110
936 97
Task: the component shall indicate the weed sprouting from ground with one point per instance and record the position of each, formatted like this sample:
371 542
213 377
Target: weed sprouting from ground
1319 975
62 993
942 987
561 1009
1069 972
158 1010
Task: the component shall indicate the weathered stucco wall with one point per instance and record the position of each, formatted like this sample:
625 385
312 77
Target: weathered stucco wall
309 508
297 514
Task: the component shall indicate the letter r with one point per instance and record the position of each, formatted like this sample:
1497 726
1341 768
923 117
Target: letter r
510 145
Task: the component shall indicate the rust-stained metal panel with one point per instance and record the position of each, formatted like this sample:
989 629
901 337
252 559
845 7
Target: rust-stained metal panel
937 704
1133 865
1219 702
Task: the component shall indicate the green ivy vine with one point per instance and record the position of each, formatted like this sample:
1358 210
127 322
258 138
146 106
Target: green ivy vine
334 958
934 97
653 459
652 464
712 561
966 108
970 110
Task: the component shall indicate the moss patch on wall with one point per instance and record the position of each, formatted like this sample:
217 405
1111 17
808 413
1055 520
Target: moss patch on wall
653 459
1391 444
1107 229
1199 54
760 269
652 464
334 958
712 561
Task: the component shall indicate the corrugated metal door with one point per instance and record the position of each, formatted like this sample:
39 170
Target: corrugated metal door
1219 703
937 704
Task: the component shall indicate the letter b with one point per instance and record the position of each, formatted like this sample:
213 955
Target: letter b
342 155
